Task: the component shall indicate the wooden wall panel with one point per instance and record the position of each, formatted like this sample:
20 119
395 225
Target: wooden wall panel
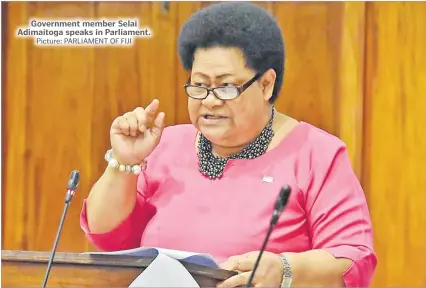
352 67
350 81
54 132
321 86
395 139
14 105
312 35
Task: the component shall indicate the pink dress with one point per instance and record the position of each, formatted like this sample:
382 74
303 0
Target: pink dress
178 208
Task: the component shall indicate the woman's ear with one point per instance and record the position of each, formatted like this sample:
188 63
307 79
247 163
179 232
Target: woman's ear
267 83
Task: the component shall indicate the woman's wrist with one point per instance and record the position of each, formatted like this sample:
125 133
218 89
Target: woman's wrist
127 168
287 276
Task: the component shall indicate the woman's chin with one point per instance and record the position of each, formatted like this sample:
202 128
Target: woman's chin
214 134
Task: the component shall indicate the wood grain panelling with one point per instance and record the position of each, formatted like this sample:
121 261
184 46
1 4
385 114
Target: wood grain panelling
355 69
350 81
52 134
321 86
312 35
14 204
395 139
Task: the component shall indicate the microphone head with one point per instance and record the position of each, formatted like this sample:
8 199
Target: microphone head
73 180
285 195
280 204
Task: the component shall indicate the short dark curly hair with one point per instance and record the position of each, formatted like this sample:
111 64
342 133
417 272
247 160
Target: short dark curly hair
236 24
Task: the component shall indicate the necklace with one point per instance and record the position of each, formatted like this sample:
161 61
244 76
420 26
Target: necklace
212 166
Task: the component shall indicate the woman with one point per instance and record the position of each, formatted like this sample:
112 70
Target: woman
210 186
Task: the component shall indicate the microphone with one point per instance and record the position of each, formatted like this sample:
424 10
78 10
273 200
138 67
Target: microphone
71 187
280 204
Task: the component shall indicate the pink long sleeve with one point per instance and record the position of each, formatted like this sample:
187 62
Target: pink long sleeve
339 218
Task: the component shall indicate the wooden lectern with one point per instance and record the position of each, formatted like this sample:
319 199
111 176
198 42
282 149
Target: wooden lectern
27 269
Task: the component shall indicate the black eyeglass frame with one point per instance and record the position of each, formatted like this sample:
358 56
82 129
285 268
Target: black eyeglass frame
240 88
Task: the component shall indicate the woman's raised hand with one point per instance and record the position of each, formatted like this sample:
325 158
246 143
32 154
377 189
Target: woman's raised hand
135 134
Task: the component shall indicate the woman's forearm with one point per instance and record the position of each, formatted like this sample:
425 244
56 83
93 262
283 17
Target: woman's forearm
111 200
317 268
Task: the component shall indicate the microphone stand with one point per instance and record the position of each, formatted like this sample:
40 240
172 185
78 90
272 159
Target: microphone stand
279 207
271 227
72 186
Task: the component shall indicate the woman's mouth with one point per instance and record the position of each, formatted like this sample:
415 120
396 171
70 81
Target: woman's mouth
210 119
213 117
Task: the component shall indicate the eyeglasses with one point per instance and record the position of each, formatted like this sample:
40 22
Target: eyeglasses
221 92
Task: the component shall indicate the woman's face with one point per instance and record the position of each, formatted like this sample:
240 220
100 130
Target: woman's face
229 123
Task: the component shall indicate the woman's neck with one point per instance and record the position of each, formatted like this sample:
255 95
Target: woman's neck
226 151
281 126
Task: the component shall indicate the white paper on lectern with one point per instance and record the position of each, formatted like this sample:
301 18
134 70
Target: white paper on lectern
165 271
191 257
